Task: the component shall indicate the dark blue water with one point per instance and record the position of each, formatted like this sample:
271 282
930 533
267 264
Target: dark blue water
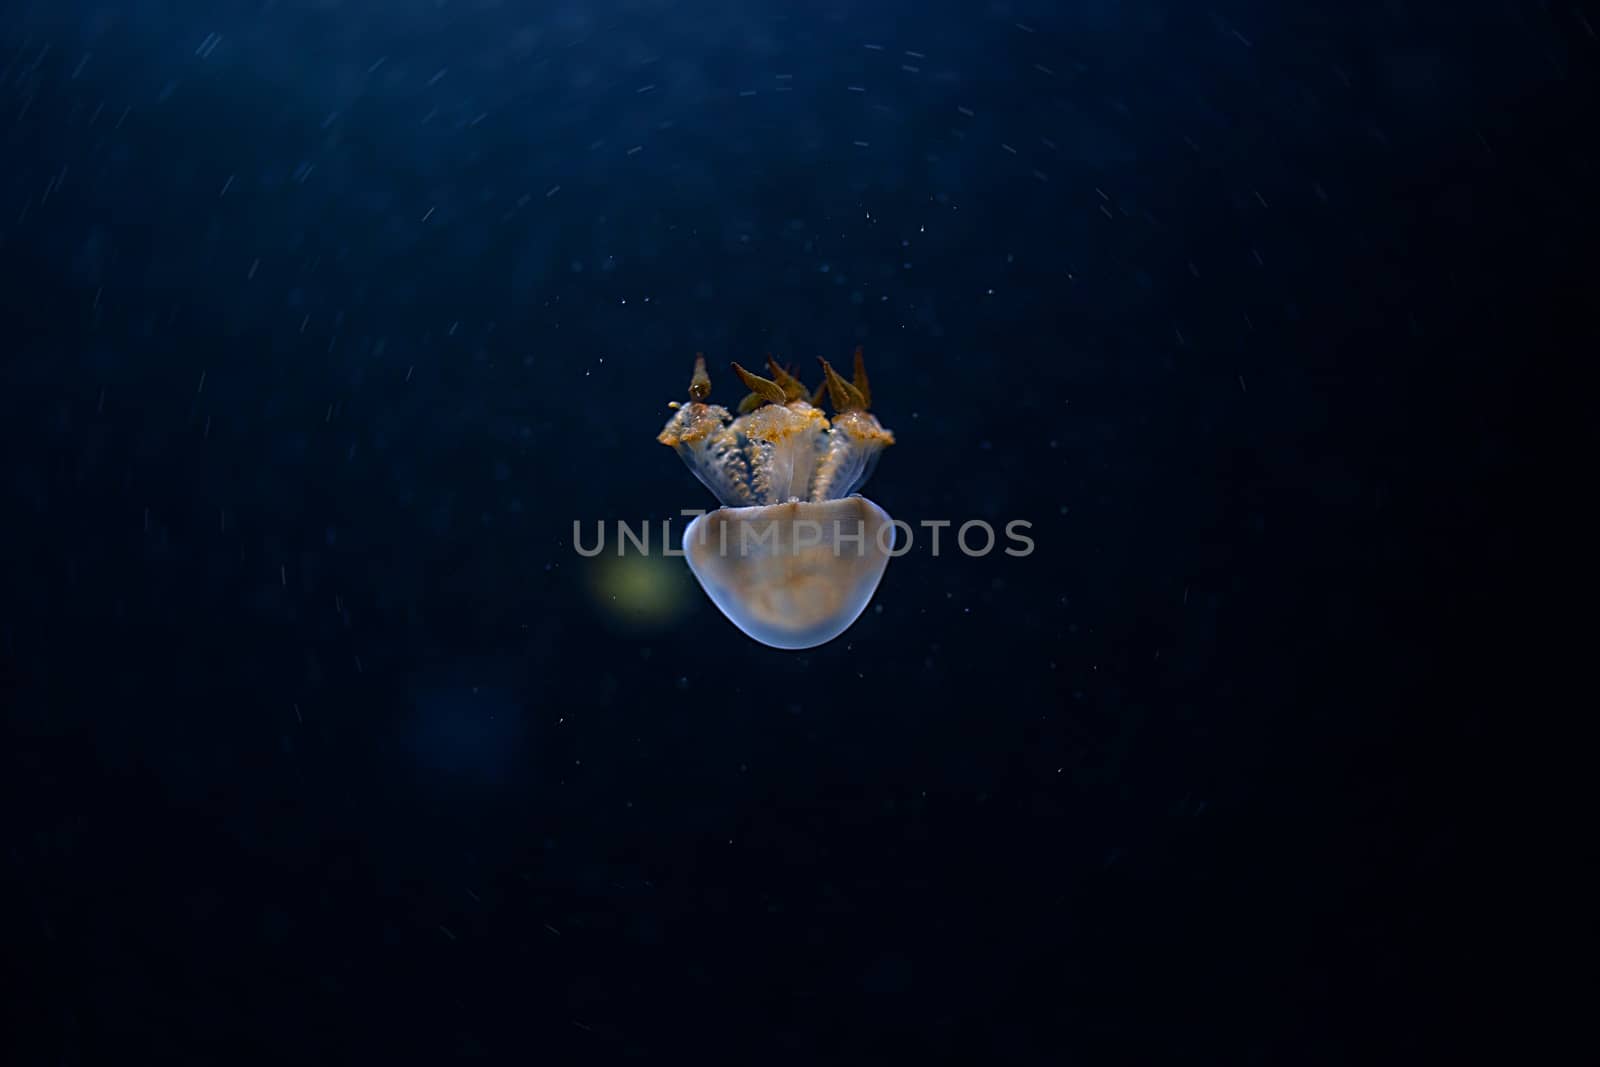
324 322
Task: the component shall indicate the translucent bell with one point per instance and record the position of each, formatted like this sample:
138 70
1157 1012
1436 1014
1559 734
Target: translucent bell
792 575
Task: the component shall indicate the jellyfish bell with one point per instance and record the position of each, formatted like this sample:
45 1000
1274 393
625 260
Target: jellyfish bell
792 575
793 556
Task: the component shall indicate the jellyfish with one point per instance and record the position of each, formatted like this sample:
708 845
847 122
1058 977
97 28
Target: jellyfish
794 554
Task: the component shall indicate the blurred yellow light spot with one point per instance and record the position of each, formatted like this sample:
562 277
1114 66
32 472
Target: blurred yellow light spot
639 592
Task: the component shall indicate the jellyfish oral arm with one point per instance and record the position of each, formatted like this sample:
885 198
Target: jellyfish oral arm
853 448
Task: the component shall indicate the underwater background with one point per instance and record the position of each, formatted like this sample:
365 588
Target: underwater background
324 322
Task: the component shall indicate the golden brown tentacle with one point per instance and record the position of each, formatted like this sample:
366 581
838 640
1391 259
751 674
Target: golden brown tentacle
765 388
845 397
699 381
793 388
860 381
